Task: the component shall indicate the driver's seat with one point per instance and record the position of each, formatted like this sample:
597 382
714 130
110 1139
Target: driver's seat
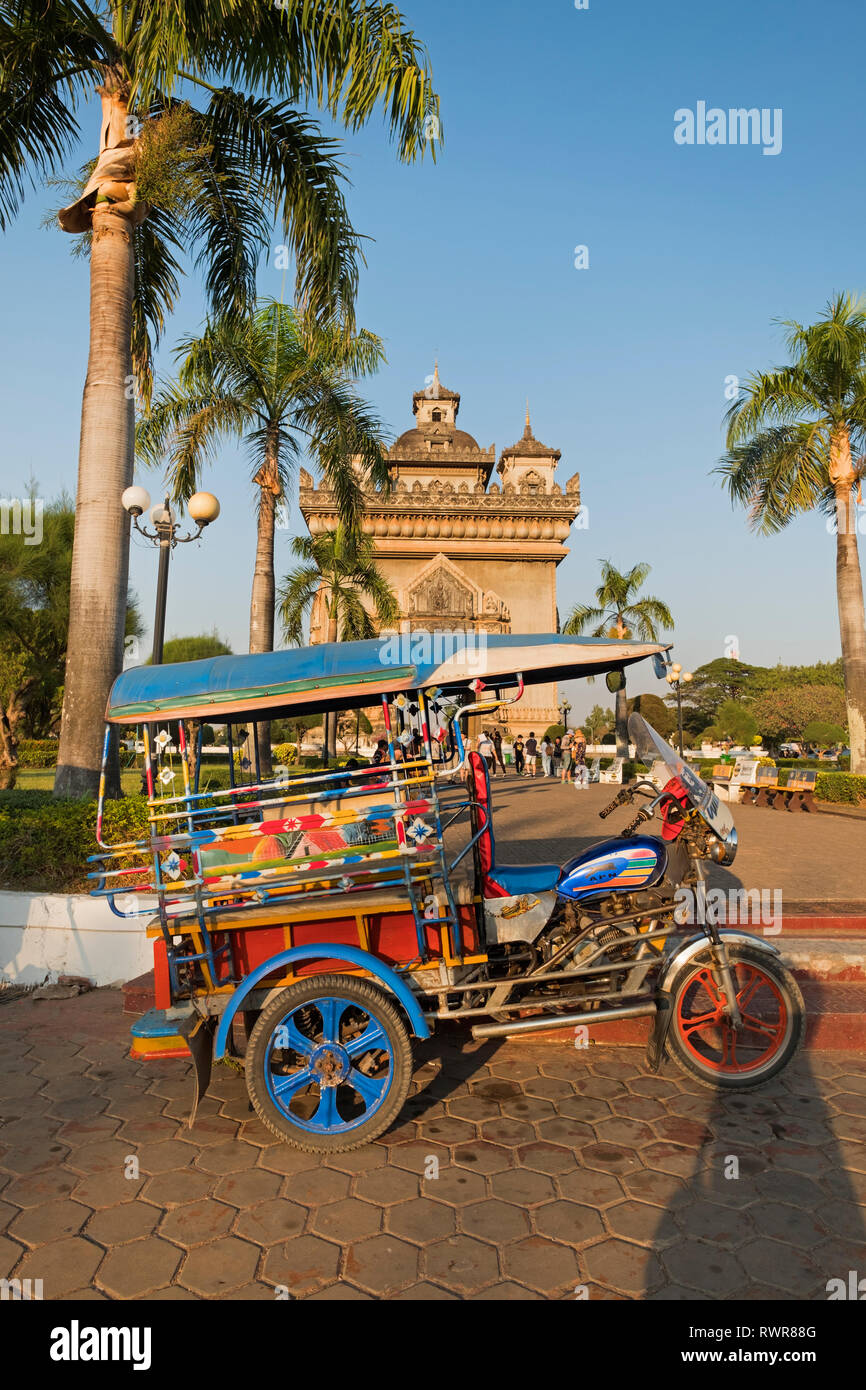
501 880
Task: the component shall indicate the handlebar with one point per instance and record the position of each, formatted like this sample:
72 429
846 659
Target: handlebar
624 795
643 815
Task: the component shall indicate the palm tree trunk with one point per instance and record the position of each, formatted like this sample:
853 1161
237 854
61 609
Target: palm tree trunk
100 556
330 729
852 623
622 722
264 584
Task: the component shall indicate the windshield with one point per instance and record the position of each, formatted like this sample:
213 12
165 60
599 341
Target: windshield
650 747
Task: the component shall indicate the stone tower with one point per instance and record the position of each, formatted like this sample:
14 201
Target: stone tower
459 551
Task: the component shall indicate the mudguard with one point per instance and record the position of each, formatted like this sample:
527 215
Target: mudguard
686 951
324 950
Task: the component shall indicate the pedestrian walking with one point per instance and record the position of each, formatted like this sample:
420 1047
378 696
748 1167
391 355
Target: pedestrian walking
531 753
519 756
581 771
546 756
497 748
568 758
486 749
556 757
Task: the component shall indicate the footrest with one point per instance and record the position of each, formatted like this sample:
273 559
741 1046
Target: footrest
154 1035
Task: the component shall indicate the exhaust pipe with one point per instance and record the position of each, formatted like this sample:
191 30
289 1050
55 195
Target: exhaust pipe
541 1025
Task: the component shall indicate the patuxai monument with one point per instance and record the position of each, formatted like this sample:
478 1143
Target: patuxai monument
462 552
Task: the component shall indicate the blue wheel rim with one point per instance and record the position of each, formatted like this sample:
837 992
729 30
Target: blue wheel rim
314 1054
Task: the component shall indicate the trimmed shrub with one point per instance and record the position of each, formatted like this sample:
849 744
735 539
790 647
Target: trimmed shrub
44 844
840 787
38 752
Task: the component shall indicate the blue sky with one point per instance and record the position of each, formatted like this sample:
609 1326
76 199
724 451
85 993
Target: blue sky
558 128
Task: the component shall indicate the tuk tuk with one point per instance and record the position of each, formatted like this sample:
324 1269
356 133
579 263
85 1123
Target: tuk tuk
309 924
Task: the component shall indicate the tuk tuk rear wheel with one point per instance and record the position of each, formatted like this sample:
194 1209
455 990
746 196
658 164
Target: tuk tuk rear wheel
329 1063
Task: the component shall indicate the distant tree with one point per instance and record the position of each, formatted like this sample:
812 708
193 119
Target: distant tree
655 712
733 721
34 622
341 564
622 612
784 714
823 734
350 726
597 723
195 648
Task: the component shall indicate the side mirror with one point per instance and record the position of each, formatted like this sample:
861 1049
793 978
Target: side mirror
660 666
614 680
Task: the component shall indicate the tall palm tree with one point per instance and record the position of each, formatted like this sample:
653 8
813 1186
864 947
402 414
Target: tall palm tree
169 178
620 612
341 566
791 440
279 381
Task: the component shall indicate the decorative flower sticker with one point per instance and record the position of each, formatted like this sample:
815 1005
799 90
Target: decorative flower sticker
167 775
162 739
172 865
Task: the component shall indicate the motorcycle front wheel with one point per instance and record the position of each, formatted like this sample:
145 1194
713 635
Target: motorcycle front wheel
702 1040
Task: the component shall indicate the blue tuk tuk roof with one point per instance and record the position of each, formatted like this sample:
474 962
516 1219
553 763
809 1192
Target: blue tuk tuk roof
345 675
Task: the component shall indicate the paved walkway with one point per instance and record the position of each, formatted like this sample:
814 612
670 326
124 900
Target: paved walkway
561 1174
812 858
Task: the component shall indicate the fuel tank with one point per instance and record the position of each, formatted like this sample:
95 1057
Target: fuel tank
614 866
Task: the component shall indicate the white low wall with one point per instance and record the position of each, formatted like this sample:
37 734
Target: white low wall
43 935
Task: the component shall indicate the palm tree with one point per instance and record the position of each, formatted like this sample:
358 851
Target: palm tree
170 178
619 612
276 380
341 566
792 435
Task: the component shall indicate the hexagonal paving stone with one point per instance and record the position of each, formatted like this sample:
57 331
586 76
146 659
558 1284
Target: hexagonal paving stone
541 1264
385 1186
85 1131
213 1269
599 1087
197 1222
40 1187
421 1220
227 1156
783 1266
271 1221
382 1264
457 1186
482 1156
793 1188
619 1264
507 1131
10 1254
176 1187
565 1130
587 1109
591 1188
163 1156
621 1129
62 1265
31 1157
340 1293
638 1107
346 1220
360 1160
506 1292
246 1189
424 1293
522 1186
316 1186
474 1108
528 1108
795 1227
568 1221
610 1158
701 1265
716 1223
495 1220
446 1129
52 1221
282 1158
682 1131
416 1156
136 1269
128 1221
461 1263
640 1222
493 1088
302 1265
543 1157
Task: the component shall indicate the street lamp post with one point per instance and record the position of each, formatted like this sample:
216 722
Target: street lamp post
565 710
676 678
203 508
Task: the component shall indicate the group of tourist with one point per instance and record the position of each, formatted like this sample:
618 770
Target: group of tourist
562 757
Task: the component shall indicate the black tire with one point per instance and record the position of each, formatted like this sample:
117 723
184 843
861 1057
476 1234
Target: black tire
790 1028
349 1133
